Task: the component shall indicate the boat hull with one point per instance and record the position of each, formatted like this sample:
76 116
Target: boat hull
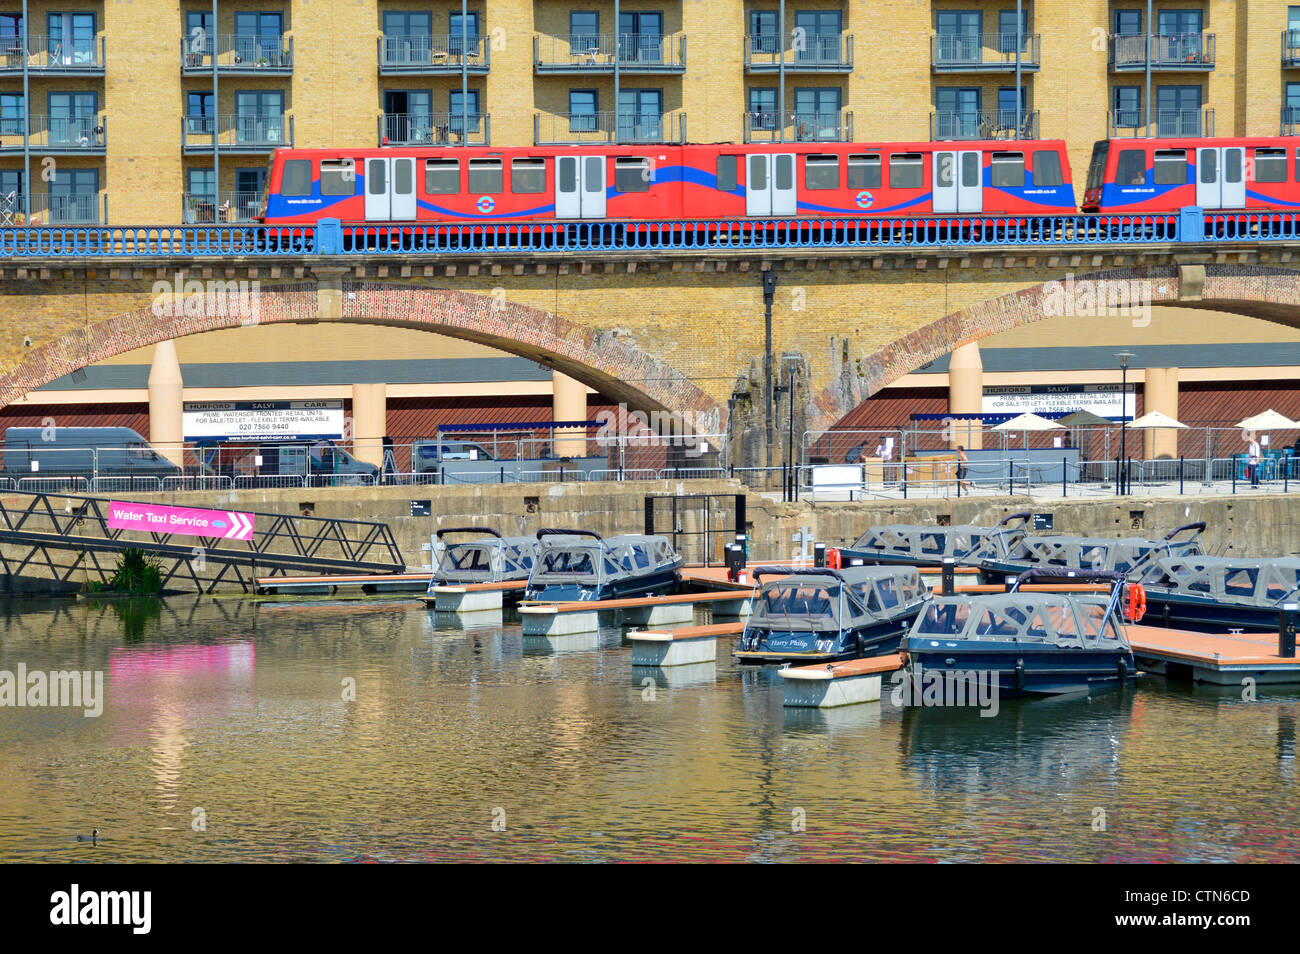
778 648
658 583
1024 671
1206 615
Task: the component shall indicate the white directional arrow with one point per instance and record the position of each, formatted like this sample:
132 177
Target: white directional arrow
241 527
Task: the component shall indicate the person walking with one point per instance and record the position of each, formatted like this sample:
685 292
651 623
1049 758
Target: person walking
1252 460
962 461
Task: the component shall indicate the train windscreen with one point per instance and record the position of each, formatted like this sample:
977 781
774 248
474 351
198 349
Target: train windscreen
1097 167
266 190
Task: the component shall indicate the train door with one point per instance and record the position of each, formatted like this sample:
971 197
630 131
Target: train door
580 187
770 185
958 181
390 189
1221 177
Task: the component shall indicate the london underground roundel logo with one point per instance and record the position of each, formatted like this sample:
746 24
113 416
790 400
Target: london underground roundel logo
486 204
865 199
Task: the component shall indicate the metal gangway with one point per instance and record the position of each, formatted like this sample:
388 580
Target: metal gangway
42 526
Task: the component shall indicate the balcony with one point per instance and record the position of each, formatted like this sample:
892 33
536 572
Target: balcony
435 129
206 208
983 53
600 53
562 129
1290 121
237 55
56 135
1290 48
1184 52
996 124
434 55
795 126
818 53
247 135
41 208
1164 123
47 56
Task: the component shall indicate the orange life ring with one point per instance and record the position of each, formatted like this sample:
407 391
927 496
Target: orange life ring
1135 603
833 558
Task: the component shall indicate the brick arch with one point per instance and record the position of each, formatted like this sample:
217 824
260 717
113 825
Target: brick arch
1271 294
613 364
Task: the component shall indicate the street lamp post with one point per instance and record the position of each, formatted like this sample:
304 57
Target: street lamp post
1121 482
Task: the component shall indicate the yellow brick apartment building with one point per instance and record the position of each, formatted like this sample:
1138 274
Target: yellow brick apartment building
150 111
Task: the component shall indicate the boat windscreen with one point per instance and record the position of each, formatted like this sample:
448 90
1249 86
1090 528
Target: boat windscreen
788 605
467 558
567 563
943 619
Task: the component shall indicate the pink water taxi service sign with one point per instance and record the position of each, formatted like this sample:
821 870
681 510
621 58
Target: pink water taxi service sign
187 521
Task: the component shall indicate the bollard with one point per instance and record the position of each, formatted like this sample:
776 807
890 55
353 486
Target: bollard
735 561
1288 619
949 576
1180 475
742 540
819 554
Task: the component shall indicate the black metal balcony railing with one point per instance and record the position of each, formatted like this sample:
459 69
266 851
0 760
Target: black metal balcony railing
261 132
600 52
807 53
1169 51
1291 47
1290 121
795 126
237 54
1164 123
565 128
982 52
435 129
971 124
78 135
42 208
201 208
409 55
52 56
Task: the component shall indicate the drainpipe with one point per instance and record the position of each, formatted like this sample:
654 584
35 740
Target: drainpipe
27 126
618 64
1148 71
780 63
1019 40
216 116
464 73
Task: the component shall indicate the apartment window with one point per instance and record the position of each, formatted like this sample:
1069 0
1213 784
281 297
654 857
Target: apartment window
905 170
527 176
399 23
1007 104
1128 22
1170 167
958 111
484 176
296 178
11 29
201 182
1007 31
199 113
408 37
640 114
764 33
1047 169
1127 104
817 113
960 35
762 108
821 172
1131 167
1178 22
13 198
73 117
71 37
74 196
199 33
459 106
582 110
442 176
864 171
1178 110
338 177
1270 165
641 36
259 116
12 114
728 179
249 183
632 174
820 35
1007 170
259 38
584 30
469 24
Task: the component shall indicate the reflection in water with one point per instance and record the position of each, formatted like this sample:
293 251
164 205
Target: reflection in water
238 707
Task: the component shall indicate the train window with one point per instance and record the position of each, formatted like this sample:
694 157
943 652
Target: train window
970 168
757 173
1270 165
296 179
338 177
943 171
1131 168
1232 165
864 171
593 174
377 177
1170 167
727 179
1008 170
403 177
905 170
442 176
484 176
1209 165
784 174
632 174
821 172
1096 168
527 175
1047 168
568 176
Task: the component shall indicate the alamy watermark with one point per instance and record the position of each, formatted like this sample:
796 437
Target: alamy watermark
210 298
1099 297
929 687
57 688
658 428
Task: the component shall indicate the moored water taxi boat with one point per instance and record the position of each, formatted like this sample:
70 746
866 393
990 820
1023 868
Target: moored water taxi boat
490 558
927 545
576 565
1216 593
1129 556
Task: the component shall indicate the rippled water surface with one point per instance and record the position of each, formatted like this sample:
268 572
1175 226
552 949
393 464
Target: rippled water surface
230 714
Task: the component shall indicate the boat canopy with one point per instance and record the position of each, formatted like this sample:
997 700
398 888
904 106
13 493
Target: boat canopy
1059 619
930 544
1247 582
567 556
823 599
489 559
1121 554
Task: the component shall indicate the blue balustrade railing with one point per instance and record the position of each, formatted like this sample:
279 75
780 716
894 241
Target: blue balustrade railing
330 237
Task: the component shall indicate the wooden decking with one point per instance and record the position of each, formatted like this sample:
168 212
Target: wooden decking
1222 658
